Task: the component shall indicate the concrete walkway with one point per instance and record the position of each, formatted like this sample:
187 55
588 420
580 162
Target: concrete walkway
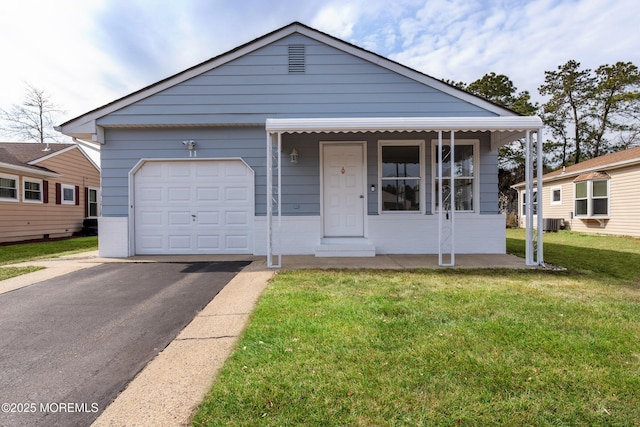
172 385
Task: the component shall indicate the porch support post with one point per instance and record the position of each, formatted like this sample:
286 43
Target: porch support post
273 200
439 195
528 174
452 194
539 167
446 223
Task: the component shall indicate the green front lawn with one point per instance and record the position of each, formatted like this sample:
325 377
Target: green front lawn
444 347
12 254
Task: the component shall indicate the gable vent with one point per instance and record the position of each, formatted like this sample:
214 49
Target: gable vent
296 58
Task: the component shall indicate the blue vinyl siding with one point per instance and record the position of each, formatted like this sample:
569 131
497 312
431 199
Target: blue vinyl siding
300 182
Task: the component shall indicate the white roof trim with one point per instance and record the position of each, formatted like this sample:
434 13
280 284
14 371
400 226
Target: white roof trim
396 124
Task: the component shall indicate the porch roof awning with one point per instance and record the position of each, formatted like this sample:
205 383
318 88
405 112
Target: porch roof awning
510 128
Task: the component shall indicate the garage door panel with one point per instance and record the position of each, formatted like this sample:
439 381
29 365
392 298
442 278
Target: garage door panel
208 242
238 242
150 218
207 170
183 218
199 206
208 218
178 194
236 193
179 170
151 243
211 194
151 194
179 242
236 218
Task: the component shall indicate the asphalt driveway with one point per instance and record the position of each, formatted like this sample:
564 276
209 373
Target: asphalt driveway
69 345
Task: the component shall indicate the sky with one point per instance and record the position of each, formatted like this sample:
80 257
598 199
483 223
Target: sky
86 53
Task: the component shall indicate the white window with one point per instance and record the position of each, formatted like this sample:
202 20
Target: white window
535 203
465 171
591 198
8 188
68 194
93 205
401 176
31 190
556 195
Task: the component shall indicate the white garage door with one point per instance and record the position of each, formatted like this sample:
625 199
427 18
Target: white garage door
194 207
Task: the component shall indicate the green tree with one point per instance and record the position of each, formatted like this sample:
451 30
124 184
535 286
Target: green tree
614 109
591 113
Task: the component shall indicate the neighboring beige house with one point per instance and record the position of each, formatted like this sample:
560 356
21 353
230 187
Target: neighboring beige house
46 192
596 196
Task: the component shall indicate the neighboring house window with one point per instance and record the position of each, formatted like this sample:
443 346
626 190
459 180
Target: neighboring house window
32 190
8 188
401 172
68 194
592 198
92 203
535 203
465 183
556 195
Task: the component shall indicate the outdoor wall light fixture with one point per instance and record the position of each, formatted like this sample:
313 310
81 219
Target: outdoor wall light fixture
294 156
191 146
373 188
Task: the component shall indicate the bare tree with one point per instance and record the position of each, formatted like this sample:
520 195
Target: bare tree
33 120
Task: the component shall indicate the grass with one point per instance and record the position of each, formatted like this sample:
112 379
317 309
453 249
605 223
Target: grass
444 347
9 272
16 253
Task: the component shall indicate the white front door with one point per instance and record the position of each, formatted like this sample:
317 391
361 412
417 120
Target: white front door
343 189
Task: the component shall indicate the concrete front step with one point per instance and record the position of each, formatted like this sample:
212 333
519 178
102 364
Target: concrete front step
345 247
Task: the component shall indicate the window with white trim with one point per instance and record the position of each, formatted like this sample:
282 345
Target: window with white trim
93 210
8 188
31 190
401 176
556 195
68 194
465 166
591 198
535 203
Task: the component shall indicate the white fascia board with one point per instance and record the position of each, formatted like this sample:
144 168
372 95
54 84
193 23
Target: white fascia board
381 124
82 127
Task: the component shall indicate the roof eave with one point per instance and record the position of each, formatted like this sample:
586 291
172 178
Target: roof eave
31 171
573 174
